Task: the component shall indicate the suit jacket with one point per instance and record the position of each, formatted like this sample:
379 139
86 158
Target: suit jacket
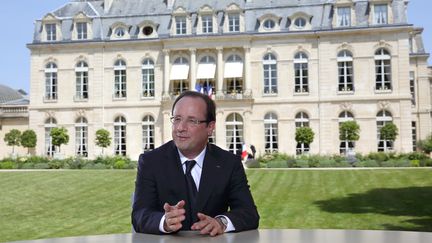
223 188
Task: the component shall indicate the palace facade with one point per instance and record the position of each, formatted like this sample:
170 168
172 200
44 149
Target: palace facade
270 65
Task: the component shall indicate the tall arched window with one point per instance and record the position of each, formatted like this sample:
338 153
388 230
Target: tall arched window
148 129
270 74
81 137
51 81
206 75
120 79
234 133
81 78
179 75
120 136
50 123
271 133
233 74
302 120
383 117
345 145
383 70
148 78
345 71
301 74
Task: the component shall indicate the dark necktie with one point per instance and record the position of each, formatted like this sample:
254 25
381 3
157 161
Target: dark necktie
192 191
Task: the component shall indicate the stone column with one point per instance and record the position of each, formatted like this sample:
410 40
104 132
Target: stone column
247 81
220 73
192 68
166 73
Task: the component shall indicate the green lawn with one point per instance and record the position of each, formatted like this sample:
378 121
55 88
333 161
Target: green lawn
85 202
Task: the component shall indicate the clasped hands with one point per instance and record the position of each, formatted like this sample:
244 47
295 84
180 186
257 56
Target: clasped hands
174 215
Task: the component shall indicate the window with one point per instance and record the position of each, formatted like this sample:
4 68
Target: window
380 14
382 70
180 25
147 30
81 30
207 24
300 23
148 129
345 71
51 32
81 77
206 75
344 17
233 74
179 75
120 136
412 88
81 137
50 123
271 133
233 22
148 79
269 24
301 73
383 117
51 81
234 133
270 74
120 79
414 135
346 145
120 32
302 120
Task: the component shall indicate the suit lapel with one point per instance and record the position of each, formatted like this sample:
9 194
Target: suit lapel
175 174
209 175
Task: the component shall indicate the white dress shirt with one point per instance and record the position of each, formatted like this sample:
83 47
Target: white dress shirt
196 175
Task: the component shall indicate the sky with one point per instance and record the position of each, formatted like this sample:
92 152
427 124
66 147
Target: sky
18 18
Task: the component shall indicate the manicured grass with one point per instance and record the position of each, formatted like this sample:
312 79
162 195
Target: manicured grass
48 204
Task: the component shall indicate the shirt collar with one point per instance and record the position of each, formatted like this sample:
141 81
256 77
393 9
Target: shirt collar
199 159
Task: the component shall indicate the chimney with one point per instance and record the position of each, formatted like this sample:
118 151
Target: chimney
107 5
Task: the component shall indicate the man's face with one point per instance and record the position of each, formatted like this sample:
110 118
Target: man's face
190 138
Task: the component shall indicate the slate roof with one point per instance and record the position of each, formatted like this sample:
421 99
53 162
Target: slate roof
10 96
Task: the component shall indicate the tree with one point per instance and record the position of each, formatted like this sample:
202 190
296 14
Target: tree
349 130
59 136
103 138
13 138
389 132
304 135
28 139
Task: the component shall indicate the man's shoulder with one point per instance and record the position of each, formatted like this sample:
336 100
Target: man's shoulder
219 152
158 152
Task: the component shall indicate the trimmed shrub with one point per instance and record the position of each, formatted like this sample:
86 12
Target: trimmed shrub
302 163
368 163
41 166
277 164
27 166
119 164
7 165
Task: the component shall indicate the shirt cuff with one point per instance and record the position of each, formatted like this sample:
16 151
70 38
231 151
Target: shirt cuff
161 225
230 227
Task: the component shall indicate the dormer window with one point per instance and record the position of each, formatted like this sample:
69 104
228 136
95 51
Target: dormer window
234 22
300 22
269 24
380 14
81 31
51 32
119 32
343 16
207 24
180 25
148 30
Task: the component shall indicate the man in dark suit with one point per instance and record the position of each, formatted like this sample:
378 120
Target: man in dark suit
188 184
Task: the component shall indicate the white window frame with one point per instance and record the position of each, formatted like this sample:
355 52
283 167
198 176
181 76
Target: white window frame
120 141
345 71
50 123
301 72
148 133
383 69
383 117
120 78
207 23
51 82
181 25
234 133
270 74
346 145
344 16
51 31
81 78
82 30
271 133
81 137
148 78
234 22
380 13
